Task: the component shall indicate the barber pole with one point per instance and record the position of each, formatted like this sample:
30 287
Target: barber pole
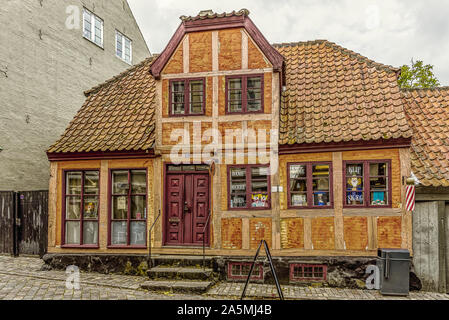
410 198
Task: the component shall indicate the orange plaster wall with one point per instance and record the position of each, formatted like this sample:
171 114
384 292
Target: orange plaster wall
200 55
256 59
230 49
292 233
167 129
356 233
389 232
259 229
176 63
231 233
323 233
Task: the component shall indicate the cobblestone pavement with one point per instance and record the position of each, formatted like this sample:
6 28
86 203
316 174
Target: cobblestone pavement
310 293
21 279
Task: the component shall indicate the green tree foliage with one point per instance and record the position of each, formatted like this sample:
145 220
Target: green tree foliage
418 75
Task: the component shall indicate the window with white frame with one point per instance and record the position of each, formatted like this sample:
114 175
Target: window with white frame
92 27
123 47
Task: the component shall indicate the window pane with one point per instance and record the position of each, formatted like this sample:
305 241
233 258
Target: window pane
73 208
91 208
298 185
238 201
119 45
178 108
127 50
91 182
139 182
235 96
238 179
259 200
379 198
73 183
254 83
354 198
235 84
235 106
378 169
259 180
87 25
138 233
90 232
120 182
119 233
98 28
72 233
297 171
254 106
196 85
138 206
178 86
299 199
321 199
254 94
354 170
119 207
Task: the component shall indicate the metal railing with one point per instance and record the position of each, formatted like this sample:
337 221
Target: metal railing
204 241
149 244
273 271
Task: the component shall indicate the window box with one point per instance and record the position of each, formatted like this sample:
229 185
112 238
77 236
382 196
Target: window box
93 28
187 97
245 94
249 187
367 184
310 185
80 222
128 208
307 272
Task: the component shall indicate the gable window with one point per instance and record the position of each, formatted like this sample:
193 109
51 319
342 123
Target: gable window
128 208
80 219
92 27
244 94
249 187
310 185
123 47
187 97
368 183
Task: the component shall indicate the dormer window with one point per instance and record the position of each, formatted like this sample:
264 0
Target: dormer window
244 94
187 97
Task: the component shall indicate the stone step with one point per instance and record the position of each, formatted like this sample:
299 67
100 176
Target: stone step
194 287
182 261
161 272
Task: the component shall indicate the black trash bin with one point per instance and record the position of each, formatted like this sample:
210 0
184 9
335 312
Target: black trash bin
394 267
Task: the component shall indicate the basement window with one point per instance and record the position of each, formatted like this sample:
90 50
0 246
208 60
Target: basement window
93 27
307 272
240 271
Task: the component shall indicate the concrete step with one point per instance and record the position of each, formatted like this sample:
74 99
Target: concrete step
194 287
182 261
184 273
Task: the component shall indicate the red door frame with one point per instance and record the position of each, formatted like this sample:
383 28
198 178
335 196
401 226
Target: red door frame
164 205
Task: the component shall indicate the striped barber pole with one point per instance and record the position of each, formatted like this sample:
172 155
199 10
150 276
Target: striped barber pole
410 198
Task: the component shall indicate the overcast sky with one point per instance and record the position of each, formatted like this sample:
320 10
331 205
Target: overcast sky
387 31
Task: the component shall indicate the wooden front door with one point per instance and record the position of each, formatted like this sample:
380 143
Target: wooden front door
187 209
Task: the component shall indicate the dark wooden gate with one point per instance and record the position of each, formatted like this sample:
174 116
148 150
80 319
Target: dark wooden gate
23 222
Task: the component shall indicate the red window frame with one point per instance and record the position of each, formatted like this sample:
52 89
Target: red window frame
248 168
257 266
309 182
245 93
128 220
186 97
81 220
366 183
294 278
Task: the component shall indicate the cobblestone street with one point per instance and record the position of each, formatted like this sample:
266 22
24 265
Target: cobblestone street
21 279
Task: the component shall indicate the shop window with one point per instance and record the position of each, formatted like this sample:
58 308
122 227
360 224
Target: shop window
368 184
81 195
249 187
244 94
240 271
187 97
309 185
128 207
307 272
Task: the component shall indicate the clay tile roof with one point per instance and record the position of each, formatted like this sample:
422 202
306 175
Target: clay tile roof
336 95
209 14
118 115
428 116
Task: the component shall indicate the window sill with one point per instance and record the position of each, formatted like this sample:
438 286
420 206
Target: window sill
126 247
311 208
74 246
250 209
94 43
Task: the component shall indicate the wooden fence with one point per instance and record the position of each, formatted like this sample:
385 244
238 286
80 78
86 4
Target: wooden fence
23 222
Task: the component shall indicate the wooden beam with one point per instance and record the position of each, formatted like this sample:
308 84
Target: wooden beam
186 54
104 203
52 201
245 234
442 244
337 166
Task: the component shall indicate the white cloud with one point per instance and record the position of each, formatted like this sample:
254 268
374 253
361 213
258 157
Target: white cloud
387 31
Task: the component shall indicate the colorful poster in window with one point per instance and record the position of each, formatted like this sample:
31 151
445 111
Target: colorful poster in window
259 200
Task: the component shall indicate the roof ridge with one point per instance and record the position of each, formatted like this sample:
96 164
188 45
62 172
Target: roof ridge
426 89
210 14
95 89
346 51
